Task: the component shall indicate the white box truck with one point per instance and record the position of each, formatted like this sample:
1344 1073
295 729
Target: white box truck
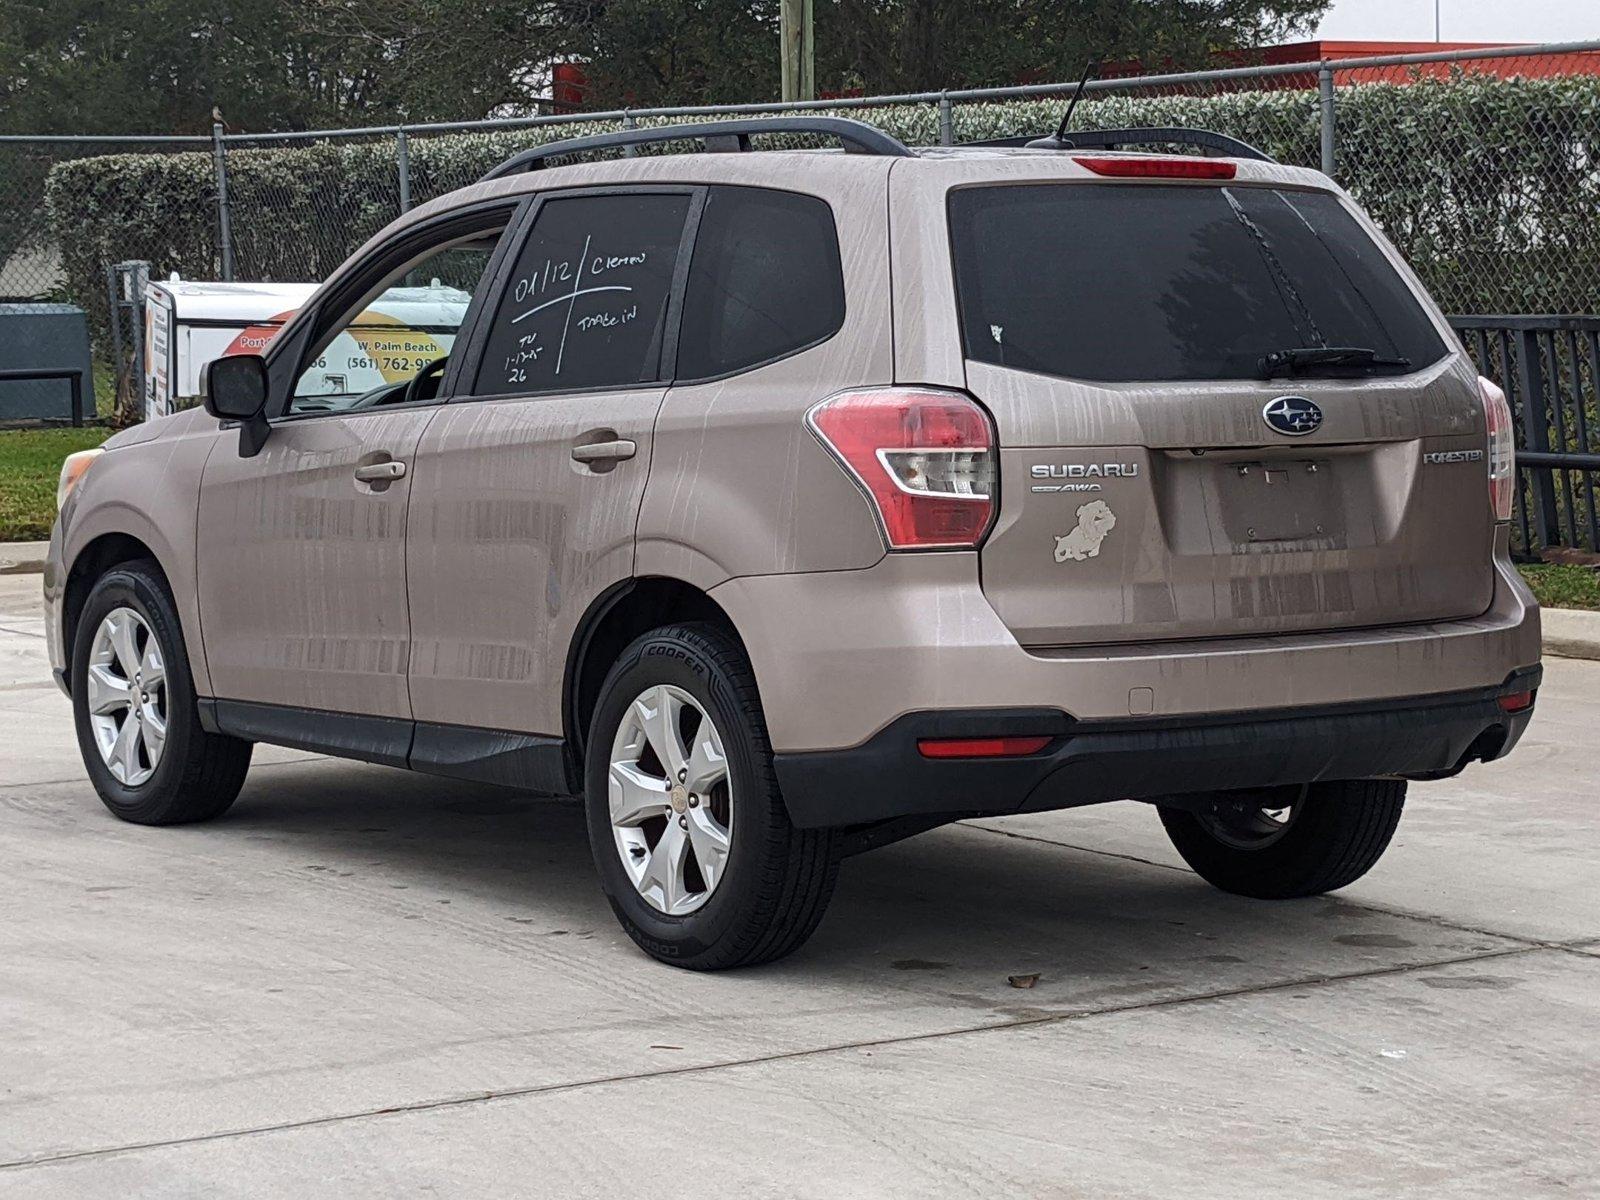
188 323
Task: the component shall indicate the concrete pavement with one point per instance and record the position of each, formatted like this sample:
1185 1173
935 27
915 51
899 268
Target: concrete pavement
366 983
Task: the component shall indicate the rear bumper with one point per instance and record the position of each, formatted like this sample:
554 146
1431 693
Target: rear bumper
852 663
1088 762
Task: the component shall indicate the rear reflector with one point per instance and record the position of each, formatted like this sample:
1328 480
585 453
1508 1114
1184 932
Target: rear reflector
1516 702
1159 168
989 747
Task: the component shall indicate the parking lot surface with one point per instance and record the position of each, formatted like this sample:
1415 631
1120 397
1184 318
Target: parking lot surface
366 983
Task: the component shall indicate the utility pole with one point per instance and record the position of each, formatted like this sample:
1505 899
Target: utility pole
798 48
1436 36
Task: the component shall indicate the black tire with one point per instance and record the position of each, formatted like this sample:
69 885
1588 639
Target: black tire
1334 834
778 879
198 774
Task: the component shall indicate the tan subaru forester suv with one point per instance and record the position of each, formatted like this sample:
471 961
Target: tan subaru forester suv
781 504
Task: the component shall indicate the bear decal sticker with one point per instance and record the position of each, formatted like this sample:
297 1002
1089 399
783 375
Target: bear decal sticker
1095 520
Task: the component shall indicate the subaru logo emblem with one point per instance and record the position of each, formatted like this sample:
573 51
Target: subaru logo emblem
1293 415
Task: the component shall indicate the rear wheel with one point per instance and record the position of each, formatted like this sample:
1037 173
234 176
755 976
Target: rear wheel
690 835
1279 843
133 702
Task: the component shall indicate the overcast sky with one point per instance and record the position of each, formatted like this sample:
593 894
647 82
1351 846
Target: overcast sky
1463 20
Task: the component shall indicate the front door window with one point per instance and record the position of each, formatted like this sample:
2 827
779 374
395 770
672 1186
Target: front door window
393 349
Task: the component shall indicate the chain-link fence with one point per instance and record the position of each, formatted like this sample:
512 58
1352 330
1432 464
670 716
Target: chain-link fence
1482 166
46 306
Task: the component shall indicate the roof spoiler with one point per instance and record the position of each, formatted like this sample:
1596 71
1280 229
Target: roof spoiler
1115 139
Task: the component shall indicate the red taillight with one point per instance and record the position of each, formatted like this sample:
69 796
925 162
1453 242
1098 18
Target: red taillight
986 747
1502 449
1159 168
1516 702
925 457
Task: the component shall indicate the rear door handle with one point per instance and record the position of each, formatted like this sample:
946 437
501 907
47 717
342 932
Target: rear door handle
381 472
619 450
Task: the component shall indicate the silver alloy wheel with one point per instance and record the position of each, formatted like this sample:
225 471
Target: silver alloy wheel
671 800
126 694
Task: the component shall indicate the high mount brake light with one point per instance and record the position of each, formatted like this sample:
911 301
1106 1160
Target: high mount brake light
1502 449
924 457
1158 168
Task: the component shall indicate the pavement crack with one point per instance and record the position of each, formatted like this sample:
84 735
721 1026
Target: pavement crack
1031 1022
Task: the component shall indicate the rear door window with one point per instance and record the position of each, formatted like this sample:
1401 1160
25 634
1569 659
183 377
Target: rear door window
765 281
586 303
1115 283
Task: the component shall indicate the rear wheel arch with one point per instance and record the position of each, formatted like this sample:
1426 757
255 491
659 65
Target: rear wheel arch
94 560
612 622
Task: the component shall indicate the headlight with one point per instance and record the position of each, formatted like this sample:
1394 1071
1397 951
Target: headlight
72 470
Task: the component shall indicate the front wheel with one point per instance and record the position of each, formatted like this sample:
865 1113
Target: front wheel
133 702
690 834
1277 843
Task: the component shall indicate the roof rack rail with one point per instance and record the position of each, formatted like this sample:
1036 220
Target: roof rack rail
719 136
1114 139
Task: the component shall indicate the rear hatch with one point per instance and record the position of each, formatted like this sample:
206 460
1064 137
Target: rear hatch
1160 475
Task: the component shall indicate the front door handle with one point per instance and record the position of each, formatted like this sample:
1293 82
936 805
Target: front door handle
382 472
618 450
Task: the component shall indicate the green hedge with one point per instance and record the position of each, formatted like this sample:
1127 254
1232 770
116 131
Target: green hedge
1490 187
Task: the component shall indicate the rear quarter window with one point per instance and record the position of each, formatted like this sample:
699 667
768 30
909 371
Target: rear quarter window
765 281
1122 283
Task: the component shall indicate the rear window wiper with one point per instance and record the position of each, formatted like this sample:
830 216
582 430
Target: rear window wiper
1313 360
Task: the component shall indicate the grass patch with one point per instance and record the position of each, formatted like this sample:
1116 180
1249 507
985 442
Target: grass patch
30 465
1562 585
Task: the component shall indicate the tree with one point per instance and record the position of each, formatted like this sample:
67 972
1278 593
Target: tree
885 46
118 66
651 52
644 53
159 66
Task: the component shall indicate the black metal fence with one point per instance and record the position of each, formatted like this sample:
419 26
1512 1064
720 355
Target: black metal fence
1549 368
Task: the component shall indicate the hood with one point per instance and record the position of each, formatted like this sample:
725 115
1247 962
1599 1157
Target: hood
188 421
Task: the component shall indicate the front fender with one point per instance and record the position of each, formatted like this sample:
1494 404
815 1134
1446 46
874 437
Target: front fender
148 491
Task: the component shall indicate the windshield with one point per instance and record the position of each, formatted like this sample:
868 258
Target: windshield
1117 283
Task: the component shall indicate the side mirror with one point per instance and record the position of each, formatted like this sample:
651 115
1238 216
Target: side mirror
235 386
235 389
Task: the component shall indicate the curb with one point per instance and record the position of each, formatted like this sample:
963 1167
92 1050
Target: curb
1571 632
23 558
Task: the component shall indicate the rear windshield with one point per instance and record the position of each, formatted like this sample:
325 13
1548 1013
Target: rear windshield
1118 282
